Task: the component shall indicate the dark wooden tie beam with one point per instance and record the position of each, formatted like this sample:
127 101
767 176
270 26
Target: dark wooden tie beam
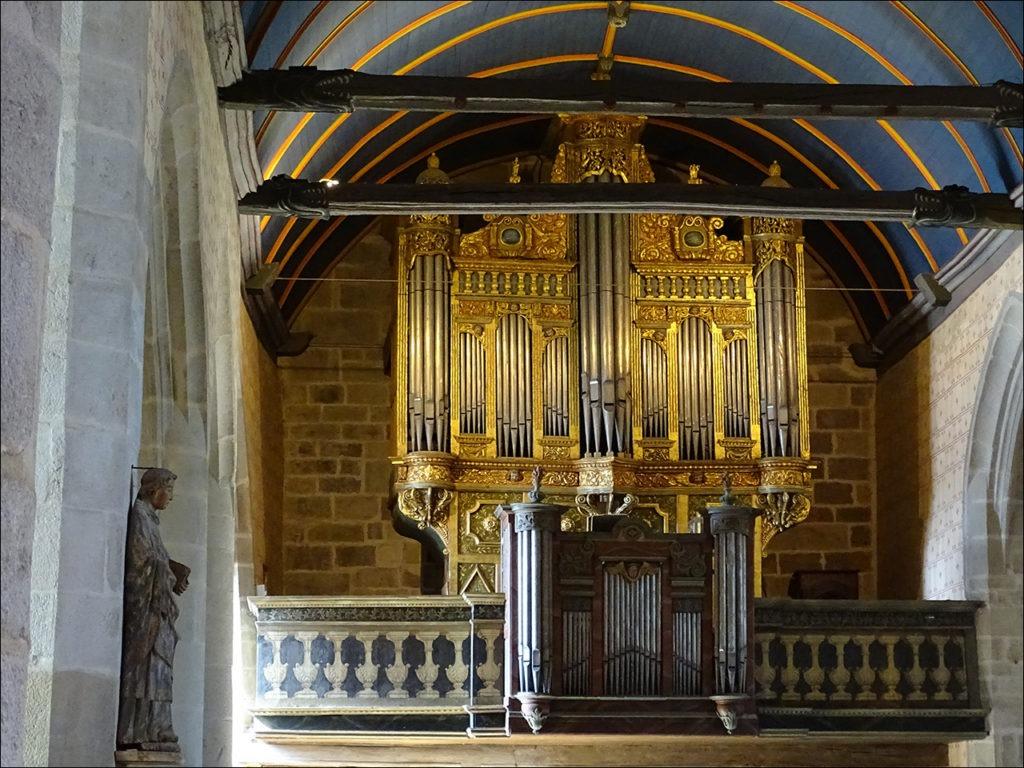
308 89
949 207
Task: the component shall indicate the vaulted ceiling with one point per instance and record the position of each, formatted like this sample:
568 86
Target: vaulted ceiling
922 43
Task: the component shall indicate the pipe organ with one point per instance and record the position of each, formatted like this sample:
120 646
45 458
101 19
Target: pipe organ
640 358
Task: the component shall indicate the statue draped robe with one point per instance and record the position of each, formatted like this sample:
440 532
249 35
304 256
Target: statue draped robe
149 638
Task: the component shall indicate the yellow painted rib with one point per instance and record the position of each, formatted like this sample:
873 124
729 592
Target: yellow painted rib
964 70
893 70
1001 30
359 64
608 43
293 41
650 7
673 126
654 63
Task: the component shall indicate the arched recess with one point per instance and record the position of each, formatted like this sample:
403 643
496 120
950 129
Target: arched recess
993 557
190 419
174 424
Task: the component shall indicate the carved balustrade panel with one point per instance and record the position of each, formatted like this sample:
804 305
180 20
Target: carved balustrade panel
875 665
379 656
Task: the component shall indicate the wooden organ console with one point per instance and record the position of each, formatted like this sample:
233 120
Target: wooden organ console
624 621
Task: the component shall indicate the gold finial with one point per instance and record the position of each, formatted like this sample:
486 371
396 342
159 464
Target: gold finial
774 176
695 175
433 174
514 176
618 13
603 71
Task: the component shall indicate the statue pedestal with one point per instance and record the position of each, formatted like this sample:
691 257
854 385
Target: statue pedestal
130 757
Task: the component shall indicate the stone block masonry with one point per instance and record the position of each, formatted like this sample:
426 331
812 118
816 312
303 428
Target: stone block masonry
337 534
839 534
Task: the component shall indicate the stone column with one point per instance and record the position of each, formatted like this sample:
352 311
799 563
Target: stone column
732 526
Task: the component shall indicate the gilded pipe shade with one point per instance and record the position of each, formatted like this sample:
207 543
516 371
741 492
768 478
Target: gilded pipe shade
639 357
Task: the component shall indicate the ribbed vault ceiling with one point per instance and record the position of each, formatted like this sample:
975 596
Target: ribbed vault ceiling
921 43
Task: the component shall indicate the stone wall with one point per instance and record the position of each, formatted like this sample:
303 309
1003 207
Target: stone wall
839 533
33 91
950 488
931 395
337 408
97 198
261 396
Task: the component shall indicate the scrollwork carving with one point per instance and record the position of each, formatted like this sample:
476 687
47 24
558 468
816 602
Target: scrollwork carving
781 510
427 507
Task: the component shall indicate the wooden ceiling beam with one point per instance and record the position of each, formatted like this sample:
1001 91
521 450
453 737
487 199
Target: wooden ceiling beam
308 89
950 207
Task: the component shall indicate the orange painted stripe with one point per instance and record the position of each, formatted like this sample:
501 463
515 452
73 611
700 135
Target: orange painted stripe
293 41
263 22
1007 38
820 136
359 64
959 65
608 44
672 126
440 145
495 24
651 7
894 71
752 126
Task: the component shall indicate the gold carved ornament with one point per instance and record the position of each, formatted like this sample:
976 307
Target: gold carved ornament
538 236
427 507
780 511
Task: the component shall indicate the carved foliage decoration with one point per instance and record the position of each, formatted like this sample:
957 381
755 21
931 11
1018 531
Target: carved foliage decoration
576 558
781 510
633 572
478 524
666 238
542 236
688 559
427 507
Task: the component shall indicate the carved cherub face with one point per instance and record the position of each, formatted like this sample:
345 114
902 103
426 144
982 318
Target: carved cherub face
163 496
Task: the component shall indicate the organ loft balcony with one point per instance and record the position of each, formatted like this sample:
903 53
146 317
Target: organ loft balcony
601 422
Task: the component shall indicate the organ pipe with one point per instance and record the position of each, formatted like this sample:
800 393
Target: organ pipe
556 395
696 397
546 326
605 329
515 387
779 393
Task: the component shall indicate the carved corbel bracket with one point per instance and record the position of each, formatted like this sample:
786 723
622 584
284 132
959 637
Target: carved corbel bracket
427 507
781 510
535 709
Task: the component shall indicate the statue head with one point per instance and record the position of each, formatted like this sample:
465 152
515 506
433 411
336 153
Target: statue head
157 487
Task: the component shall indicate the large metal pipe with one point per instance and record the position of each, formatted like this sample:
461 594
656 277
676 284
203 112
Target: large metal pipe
607 317
503 374
417 354
528 394
623 394
791 361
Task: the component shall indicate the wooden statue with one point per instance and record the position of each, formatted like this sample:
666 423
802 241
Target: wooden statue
150 611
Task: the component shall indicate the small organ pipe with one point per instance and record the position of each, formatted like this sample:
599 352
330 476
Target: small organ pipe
791 360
